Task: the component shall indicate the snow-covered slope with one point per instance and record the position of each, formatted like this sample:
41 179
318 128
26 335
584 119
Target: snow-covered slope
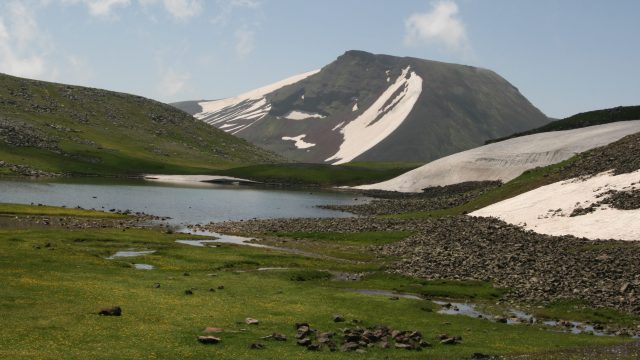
239 112
380 119
366 107
547 209
508 159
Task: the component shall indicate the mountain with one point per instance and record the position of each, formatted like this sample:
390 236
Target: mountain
49 127
366 107
505 160
589 118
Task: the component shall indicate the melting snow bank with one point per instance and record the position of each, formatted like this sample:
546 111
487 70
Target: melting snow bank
190 179
302 115
381 119
299 143
547 209
507 159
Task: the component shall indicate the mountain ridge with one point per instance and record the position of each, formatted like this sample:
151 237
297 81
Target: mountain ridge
368 107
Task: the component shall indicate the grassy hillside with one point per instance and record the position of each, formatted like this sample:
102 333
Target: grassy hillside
350 174
590 118
77 130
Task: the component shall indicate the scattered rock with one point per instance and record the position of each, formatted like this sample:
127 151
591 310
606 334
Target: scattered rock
338 318
256 346
251 321
111 311
500 319
276 337
208 340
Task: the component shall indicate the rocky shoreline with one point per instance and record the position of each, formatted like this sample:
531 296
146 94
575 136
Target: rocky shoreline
135 220
433 198
536 268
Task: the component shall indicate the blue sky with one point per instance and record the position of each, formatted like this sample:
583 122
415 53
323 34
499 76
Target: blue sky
565 56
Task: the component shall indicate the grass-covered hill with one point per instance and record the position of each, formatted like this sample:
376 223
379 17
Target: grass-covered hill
589 118
59 128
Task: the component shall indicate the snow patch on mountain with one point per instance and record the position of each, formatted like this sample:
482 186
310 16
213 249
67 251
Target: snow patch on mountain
245 109
546 209
355 107
302 115
337 126
378 121
508 159
299 143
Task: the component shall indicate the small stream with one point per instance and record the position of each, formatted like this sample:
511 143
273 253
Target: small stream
471 310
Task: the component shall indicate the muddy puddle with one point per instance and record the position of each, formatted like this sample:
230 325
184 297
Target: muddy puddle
197 243
143 266
390 294
242 241
130 253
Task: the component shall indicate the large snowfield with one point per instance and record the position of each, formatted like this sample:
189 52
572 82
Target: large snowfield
507 159
546 209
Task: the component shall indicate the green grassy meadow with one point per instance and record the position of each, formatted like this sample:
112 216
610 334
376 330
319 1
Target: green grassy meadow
51 295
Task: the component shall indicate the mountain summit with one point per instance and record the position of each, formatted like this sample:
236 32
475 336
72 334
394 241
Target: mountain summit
366 107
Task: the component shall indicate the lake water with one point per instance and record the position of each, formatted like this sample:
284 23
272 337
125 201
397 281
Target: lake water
185 204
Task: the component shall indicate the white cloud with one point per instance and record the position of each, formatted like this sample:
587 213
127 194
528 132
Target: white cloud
252 4
104 8
183 9
26 50
441 25
101 8
244 42
173 83
225 8
23 48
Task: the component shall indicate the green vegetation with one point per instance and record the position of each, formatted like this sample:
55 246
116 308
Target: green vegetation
352 238
578 310
451 289
18 209
321 174
84 131
349 246
590 118
51 296
529 180
308 275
